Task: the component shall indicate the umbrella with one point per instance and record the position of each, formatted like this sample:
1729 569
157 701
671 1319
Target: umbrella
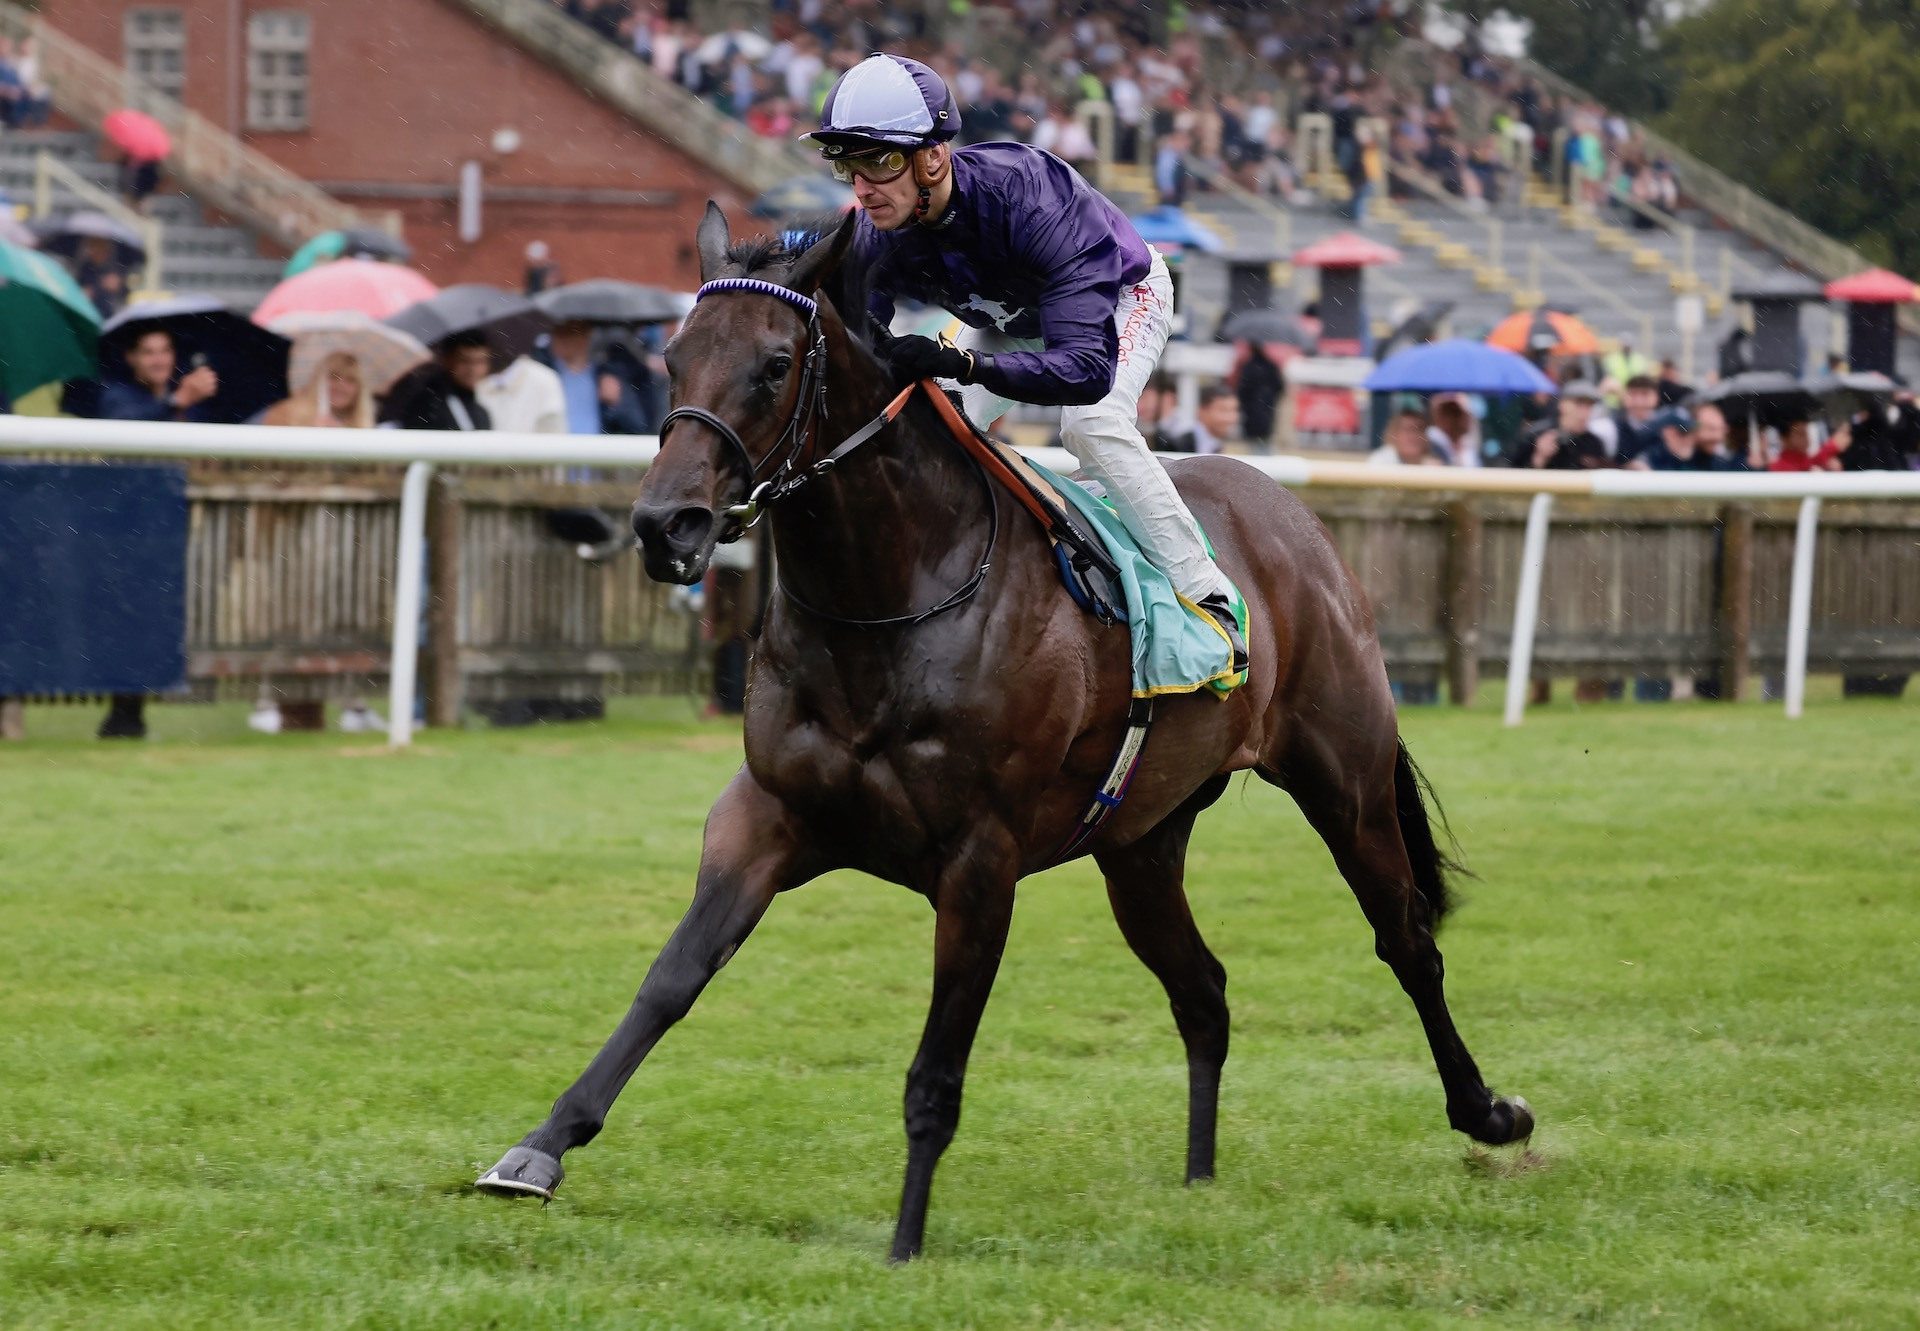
15 232
384 353
1457 366
1170 226
1553 331
65 235
250 361
1844 394
1771 397
512 323
606 300
799 196
724 45
353 243
1265 326
48 327
137 134
373 289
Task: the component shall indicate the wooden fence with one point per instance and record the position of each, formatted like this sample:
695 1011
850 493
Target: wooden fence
290 583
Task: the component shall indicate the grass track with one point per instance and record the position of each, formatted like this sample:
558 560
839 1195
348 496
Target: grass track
270 1003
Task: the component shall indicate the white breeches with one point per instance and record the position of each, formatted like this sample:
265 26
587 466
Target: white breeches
1107 442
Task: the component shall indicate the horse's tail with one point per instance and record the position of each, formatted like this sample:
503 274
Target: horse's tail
1433 868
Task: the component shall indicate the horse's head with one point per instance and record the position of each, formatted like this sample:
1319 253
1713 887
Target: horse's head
742 394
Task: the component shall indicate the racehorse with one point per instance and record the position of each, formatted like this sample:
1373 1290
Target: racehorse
928 707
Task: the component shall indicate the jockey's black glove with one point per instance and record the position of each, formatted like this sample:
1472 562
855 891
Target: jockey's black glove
914 357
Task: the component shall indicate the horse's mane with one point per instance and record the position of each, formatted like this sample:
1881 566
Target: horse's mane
770 256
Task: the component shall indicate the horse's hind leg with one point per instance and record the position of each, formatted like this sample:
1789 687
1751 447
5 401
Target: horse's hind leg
1145 884
751 853
1363 800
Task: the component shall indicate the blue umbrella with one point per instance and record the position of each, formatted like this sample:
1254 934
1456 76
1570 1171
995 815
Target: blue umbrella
1170 226
1457 366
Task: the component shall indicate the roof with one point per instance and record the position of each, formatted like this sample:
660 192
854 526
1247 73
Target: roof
1876 286
1348 249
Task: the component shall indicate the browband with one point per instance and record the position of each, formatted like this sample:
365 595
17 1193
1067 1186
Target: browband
807 305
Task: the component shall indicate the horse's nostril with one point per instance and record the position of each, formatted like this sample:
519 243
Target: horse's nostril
689 526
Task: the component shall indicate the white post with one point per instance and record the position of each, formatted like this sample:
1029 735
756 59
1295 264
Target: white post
407 577
1526 607
1800 603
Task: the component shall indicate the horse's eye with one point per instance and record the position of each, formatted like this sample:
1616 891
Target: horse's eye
778 367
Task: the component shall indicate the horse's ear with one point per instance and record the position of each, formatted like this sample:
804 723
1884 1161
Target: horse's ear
713 239
822 257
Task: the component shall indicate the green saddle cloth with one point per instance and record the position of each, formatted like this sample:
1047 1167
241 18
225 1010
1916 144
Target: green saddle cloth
1177 648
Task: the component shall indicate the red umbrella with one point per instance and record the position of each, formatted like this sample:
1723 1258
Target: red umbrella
372 288
138 135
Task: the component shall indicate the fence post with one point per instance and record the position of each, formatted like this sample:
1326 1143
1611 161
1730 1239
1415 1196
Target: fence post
407 576
1461 596
1800 604
1734 628
1526 607
446 516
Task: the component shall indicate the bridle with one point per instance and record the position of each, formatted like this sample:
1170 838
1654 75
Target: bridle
788 478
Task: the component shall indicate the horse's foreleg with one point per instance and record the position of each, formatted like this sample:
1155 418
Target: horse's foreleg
973 903
751 853
1145 884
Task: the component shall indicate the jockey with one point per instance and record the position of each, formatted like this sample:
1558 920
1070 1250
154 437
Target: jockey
1015 244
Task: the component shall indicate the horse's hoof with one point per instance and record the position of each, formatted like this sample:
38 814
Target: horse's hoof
1510 1120
522 1172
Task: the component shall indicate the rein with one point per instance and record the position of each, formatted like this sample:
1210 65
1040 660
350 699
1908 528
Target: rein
787 478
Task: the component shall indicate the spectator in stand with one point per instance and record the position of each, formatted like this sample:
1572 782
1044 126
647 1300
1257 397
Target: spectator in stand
1673 391
599 400
540 272
1712 438
98 272
150 391
1453 436
1885 438
1170 178
1567 444
1796 449
1678 448
334 395
524 398
1259 383
1405 443
440 394
1637 424
1214 424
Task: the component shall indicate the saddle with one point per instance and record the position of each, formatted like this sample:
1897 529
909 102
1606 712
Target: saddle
1087 571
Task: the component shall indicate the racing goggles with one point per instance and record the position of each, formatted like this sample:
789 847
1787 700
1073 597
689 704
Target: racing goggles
881 168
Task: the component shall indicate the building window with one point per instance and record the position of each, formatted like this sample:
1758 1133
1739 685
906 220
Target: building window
277 71
156 41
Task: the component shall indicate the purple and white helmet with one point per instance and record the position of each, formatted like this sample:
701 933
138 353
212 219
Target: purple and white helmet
886 99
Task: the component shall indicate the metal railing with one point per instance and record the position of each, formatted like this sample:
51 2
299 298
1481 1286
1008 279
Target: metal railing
49 172
1538 258
423 450
210 162
633 88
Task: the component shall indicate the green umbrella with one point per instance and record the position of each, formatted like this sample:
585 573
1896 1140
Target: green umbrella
323 247
48 327
355 242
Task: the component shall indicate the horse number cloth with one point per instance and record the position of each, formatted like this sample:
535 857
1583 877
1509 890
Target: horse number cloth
1177 648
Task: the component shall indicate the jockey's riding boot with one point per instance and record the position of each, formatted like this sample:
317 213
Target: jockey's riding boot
1221 609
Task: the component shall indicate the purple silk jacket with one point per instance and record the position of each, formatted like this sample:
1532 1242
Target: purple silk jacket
1026 246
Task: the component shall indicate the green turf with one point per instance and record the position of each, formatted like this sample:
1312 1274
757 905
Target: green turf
270 1003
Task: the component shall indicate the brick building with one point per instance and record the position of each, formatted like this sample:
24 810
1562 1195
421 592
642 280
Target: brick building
386 103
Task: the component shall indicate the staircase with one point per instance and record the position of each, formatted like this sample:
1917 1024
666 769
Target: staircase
197 255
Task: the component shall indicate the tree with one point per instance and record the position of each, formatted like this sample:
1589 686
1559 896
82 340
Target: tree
1813 103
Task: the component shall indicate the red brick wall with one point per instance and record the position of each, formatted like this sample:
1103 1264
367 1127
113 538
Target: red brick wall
404 91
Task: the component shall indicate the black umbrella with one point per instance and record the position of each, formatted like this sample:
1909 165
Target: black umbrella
1771 396
801 196
1421 326
361 242
1264 326
251 362
606 300
511 322
1859 390
65 235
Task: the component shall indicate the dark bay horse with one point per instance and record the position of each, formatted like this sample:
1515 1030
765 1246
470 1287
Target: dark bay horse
950 742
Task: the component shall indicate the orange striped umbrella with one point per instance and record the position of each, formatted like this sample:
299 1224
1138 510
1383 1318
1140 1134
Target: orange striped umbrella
1546 330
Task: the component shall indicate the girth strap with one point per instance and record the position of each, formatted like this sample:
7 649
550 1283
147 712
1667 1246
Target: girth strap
1114 789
